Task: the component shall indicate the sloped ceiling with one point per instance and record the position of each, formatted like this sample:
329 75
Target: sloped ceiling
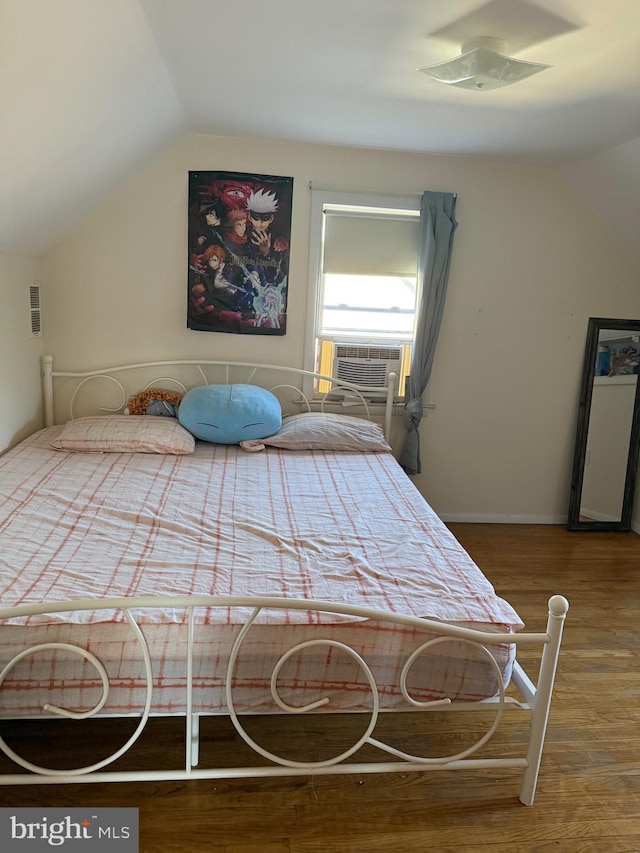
90 89
610 181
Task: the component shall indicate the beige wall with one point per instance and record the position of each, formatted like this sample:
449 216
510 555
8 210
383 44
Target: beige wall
531 263
19 352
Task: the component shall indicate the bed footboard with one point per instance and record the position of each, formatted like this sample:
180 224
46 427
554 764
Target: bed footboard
534 698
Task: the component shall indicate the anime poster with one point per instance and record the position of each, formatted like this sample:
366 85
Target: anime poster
239 233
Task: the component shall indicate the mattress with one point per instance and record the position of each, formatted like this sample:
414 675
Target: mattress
328 526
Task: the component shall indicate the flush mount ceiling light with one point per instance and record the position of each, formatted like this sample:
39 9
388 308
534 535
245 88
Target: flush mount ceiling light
482 66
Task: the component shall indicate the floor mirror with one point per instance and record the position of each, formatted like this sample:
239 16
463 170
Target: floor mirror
607 439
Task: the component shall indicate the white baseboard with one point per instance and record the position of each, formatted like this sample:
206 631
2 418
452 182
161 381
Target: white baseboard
482 518
507 518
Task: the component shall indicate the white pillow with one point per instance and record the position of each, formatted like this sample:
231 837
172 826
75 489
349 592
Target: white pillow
323 431
124 434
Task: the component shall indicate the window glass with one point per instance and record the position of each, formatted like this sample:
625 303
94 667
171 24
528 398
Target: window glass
368 306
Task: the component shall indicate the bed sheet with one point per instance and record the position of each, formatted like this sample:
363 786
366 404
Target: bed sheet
346 527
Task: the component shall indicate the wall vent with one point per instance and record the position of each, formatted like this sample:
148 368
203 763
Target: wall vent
35 310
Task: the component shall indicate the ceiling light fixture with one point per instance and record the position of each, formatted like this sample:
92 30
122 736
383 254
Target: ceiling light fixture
482 66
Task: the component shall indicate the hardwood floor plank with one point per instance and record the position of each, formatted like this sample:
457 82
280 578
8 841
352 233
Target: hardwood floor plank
411 842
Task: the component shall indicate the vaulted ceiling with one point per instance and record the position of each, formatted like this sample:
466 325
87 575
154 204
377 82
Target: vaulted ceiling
90 89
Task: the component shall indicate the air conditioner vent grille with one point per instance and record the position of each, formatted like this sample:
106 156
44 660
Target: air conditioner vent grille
364 352
372 375
366 366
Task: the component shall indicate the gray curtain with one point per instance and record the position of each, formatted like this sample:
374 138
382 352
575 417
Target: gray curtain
437 227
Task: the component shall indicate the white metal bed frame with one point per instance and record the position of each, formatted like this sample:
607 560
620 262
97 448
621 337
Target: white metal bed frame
534 697
237 371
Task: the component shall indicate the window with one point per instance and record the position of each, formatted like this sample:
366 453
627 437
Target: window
363 263
368 306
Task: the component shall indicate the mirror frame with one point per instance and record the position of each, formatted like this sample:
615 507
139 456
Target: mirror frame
596 325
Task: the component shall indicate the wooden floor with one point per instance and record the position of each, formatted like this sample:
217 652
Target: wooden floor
589 789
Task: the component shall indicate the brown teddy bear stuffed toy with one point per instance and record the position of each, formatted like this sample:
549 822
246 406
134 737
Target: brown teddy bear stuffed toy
154 401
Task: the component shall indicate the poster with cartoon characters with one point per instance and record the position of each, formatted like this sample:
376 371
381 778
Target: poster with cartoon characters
238 266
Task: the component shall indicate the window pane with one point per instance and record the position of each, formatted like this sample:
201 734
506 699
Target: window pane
364 323
383 306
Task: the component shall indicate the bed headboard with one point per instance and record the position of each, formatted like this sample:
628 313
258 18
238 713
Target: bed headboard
107 389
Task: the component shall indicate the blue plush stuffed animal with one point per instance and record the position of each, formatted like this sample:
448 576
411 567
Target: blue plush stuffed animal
229 414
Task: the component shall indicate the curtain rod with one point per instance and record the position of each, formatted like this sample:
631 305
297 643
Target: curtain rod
329 189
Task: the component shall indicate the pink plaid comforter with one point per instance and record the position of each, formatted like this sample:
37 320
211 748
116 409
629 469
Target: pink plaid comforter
346 527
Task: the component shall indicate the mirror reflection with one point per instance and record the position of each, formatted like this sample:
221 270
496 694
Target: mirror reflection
606 453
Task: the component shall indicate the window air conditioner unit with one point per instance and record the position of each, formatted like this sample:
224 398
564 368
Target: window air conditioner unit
366 366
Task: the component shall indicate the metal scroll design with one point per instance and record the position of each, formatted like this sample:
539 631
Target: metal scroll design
122 390
81 715
366 738
305 401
